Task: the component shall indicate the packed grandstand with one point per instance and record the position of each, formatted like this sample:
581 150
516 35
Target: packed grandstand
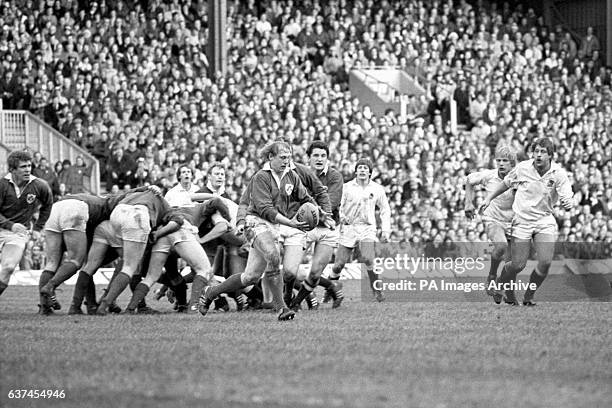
131 85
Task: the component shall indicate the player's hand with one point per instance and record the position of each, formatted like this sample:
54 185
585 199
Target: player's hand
567 203
36 235
155 190
470 211
385 237
329 222
301 225
153 237
18 228
484 206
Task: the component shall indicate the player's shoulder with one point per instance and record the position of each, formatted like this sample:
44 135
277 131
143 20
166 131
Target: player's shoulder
525 164
39 184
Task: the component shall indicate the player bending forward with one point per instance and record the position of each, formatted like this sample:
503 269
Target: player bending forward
539 184
274 187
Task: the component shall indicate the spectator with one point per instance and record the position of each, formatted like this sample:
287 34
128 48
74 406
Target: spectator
119 168
46 173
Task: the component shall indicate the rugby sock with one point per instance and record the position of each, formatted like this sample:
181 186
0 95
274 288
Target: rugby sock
199 282
136 279
90 293
536 277
326 283
65 272
275 283
289 283
372 277
140 291
494 267
80 289
180 292
3 286
306 288
231 284
117 285
45 277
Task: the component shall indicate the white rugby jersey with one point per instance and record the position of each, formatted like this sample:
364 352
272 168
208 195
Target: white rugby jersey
536 195
359 203
500 208
177 196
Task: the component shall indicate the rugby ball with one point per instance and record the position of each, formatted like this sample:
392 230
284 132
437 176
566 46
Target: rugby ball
308 213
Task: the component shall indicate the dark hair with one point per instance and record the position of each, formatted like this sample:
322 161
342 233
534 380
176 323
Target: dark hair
183 166
16 157
318 144
214 166
546 143
364 161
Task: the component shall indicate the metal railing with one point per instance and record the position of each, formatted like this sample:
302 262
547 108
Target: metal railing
20 129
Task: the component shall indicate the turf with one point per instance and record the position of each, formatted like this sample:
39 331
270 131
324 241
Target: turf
364 354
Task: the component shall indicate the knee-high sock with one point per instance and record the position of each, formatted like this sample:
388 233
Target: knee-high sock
288 289
45 277
537 278
180 292
139 293
372 277
231 284
305 289
199 283
90 293
80 289
64 272
275 282
118 285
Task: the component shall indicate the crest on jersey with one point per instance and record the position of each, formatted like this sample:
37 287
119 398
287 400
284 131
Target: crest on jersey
288 188
551 183
30 198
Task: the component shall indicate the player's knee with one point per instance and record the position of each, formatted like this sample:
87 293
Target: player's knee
249 278
543 267
517 266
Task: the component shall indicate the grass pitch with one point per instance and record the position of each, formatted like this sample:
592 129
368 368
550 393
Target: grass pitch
364 354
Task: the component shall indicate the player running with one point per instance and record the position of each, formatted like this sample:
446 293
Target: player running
21 196
324 237
360 197
274 188
539 184
497 218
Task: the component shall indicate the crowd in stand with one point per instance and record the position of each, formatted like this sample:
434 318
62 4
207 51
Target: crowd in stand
130 84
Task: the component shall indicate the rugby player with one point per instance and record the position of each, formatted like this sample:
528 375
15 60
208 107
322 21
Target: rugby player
21 196
273 189
540 183
497 218
360 198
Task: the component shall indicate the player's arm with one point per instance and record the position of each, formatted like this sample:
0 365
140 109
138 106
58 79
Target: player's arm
173 223
201 196
46 197
5 223
385 214
334 188
564 190
243 205
511 180
320 192
470 181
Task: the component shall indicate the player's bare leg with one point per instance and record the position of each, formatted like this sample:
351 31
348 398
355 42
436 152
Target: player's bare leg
544 245
520 254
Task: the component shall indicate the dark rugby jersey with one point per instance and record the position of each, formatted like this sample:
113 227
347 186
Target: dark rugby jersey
157 206
21 208
314 186
269 198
